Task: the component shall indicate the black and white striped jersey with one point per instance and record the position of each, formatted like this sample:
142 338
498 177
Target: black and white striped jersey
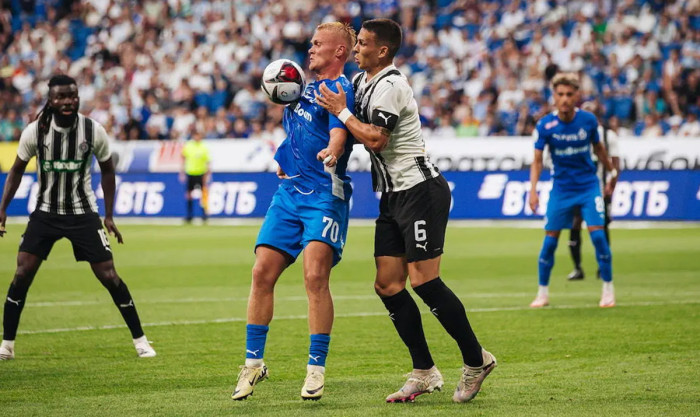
387 101
64 159
609 139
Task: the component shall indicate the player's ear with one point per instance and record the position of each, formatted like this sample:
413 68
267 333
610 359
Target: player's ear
383 51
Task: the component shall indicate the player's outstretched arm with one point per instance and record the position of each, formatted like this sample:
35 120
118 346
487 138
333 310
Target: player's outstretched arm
14 178
374 137
535 171
108 186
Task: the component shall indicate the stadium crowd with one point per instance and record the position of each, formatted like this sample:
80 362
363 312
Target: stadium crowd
154 69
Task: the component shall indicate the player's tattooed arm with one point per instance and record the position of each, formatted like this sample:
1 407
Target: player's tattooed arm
14 178
374 137
384 131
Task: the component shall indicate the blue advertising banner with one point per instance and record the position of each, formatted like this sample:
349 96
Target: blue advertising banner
640 195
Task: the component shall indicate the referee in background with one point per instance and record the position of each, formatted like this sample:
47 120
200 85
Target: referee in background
195 170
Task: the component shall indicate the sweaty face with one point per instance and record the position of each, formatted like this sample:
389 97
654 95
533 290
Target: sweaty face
366 50
64 100
565 98
324 46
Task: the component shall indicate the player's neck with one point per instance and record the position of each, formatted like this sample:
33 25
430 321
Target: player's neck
566 117
64 122
376 70
330 73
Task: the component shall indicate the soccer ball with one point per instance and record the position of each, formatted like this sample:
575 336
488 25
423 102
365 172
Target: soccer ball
283 81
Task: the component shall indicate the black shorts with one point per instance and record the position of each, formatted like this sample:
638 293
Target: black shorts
195 181
85 232
412 222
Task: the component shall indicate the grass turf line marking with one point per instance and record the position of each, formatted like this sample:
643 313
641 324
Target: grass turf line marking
81 303
350 315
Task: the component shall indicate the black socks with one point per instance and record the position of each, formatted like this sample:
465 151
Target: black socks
122 299
405 315
575 247
450 312
14 303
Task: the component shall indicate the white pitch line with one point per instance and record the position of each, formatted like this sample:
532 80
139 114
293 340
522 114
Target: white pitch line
350 315
79 303
233 299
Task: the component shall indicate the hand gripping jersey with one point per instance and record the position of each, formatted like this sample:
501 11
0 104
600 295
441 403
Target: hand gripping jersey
308 127
570 148
387 101
64 162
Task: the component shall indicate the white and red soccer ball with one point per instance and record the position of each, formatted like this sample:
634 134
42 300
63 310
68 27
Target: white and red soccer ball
283 81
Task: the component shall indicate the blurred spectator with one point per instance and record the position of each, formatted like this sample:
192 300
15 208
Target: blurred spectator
614 125
468 125
674 123
651 127
691 127
10 125
145 67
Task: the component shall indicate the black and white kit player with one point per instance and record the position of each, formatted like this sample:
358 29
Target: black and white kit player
64 143
610 140
414 208
415 201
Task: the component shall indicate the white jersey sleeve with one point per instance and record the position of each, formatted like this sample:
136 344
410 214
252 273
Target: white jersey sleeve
101 145
613 146
28 143
388 103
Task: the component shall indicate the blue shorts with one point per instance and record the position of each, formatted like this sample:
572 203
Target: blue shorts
296 218
562 205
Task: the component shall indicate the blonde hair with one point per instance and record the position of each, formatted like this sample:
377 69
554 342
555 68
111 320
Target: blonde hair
342 29
565 78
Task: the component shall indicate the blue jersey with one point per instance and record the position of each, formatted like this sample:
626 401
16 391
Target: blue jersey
308 127
570 149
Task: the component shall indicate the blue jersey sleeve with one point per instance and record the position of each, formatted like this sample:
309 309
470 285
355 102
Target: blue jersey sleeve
595 138
540 139
333 121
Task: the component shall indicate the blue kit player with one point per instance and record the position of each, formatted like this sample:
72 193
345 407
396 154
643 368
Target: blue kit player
309 213
569 133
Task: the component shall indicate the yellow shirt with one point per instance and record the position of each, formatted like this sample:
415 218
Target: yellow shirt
196 157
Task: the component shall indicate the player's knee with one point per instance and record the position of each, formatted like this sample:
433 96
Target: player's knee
23 275
387 289
108 277
315 282
263 277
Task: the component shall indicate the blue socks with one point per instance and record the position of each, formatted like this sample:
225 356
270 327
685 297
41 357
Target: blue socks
546 261
255 338
602 253
318 350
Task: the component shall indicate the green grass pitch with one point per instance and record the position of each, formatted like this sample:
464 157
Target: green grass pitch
190 284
